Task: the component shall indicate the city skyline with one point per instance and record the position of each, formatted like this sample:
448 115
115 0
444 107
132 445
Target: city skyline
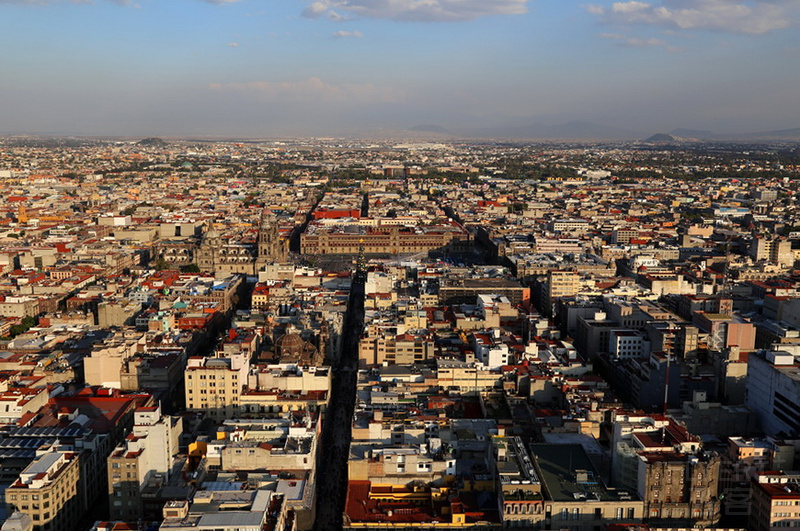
330 67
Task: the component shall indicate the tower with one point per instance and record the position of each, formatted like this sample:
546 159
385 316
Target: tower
270 246
208 253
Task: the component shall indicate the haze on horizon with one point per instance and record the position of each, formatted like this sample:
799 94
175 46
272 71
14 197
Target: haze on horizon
328 67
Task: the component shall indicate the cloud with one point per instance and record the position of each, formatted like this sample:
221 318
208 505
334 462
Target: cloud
313 89
346 34
753 17
414 10
233 44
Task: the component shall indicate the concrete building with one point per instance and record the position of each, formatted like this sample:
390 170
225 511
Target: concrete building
285 443
237 510
775 502
627 344
104 365
679 489
380 348
775 250
144 456
519 489
593 334
574 495
773 391
560 284
214 385
47 491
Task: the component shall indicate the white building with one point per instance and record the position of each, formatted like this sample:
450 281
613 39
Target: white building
628 344
773 391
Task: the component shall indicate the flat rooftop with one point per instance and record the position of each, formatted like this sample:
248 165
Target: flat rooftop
568 474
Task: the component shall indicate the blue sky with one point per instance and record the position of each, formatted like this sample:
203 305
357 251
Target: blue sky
327 67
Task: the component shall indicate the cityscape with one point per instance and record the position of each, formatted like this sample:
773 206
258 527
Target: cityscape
328 265
348 334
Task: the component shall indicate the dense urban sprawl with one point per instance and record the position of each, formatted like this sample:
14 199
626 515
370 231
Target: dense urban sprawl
324 334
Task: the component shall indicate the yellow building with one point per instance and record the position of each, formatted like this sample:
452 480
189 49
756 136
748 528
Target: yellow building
47 491
214 385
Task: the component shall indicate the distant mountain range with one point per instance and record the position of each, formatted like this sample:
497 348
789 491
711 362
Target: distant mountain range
579 130
575 130
692 134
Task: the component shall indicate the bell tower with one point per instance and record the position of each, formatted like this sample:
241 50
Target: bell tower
270 246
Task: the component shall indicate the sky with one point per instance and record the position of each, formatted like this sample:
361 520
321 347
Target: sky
267 68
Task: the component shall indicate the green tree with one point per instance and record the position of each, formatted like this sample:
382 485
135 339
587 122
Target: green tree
190 268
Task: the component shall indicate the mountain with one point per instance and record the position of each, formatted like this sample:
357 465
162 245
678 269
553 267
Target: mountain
698 134
151 142
783 134
660 138
575 130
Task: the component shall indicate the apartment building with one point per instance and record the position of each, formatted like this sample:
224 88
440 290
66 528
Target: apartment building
47 491
214 385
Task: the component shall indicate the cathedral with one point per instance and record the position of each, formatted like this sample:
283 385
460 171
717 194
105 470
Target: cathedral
225 257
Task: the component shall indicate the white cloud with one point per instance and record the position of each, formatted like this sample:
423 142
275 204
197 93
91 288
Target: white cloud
594 9
754 17
415 10
315 90
233 44
346 34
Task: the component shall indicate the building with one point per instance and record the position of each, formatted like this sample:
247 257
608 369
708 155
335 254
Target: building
233 510
271 246
350 239
574 495
225 257
560 284
678 489
775 250
47 491
519 489
775 502
773 391
627 344
378 348
144 456
214 385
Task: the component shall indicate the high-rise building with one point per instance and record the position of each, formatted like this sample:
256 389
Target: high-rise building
145 455
773 391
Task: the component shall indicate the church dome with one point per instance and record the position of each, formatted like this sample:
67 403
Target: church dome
290 343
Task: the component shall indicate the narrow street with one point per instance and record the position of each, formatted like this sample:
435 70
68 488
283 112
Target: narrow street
335 444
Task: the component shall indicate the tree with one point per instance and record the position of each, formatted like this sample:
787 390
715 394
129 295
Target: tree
26 324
